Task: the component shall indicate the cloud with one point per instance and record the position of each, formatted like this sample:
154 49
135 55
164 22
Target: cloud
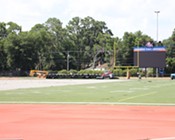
119 15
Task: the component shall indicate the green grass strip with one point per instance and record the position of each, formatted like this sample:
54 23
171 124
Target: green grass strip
132 91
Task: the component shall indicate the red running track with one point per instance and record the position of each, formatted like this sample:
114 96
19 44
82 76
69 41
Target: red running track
86 122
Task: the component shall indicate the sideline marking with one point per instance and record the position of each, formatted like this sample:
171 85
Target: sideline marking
91 103
166 138
125 99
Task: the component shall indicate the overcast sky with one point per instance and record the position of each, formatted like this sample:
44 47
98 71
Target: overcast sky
119 15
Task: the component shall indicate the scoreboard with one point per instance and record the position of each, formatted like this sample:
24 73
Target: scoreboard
150 57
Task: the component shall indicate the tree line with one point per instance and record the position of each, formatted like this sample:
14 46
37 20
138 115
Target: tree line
84 43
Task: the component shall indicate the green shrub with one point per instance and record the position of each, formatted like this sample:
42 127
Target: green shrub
90 72
133 72
63 72
73 71
118 72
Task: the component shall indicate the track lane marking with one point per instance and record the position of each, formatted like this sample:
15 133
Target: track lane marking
91 103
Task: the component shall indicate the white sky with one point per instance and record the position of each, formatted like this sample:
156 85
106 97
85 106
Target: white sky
120 15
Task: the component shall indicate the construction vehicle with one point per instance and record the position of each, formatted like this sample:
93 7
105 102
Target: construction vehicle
38 73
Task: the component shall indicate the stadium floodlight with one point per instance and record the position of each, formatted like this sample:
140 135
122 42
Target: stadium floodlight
157 23
157 12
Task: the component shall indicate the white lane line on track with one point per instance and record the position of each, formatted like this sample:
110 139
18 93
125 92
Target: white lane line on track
90 103
167 138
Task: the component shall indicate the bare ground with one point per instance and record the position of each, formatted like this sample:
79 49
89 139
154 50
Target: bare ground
18 83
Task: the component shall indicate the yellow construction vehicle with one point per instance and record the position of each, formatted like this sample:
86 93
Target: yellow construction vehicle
38 73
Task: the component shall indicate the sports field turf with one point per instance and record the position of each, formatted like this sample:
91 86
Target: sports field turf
146 91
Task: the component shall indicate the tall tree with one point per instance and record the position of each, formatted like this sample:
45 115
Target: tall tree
127 49
11 45
89 37
3 34
13 28
58 47
74 31
3 30
170 47
41 43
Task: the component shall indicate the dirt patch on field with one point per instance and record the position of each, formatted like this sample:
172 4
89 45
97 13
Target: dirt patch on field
18 83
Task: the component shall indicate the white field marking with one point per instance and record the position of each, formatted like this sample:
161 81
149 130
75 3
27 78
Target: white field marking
125 99
121 91
131 90
90 103
91 87
134 89
167 138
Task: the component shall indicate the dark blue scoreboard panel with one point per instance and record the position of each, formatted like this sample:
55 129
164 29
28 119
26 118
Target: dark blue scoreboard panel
153 57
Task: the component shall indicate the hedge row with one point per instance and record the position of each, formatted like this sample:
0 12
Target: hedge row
116 72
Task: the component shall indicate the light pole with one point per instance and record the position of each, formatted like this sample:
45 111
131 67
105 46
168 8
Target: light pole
157 12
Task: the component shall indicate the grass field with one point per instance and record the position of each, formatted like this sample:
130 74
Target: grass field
146 91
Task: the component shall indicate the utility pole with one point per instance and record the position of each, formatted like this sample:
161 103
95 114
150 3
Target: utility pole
68 60
114 47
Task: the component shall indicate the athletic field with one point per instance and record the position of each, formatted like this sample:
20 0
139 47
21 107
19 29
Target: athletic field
87 109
